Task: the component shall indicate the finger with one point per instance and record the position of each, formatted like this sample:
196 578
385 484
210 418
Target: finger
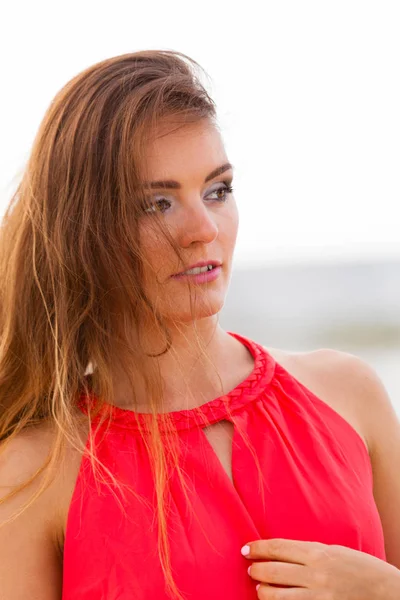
266 592
292 551
279 573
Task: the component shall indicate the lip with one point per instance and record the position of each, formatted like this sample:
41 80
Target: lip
206 277
203 263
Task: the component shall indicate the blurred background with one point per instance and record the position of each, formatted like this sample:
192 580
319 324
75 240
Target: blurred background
308 95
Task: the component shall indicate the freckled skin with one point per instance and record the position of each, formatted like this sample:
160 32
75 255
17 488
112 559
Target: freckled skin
202 225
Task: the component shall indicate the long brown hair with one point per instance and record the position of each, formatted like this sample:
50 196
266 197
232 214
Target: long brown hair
70 261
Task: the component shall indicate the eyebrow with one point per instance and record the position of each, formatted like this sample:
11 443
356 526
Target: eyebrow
175 185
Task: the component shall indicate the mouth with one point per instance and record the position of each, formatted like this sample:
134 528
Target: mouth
199 268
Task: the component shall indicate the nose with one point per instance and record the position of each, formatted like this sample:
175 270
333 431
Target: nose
197 225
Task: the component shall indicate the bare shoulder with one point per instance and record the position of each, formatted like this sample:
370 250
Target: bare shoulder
345 382
23 456
27 457
31 523
30 564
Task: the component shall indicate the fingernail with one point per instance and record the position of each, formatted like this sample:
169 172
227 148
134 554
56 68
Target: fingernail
245 550
249 569
257 586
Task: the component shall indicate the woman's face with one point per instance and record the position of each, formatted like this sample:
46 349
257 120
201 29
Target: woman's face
191 197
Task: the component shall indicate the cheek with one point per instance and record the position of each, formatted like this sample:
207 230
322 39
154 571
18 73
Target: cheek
236 222
157 254
149 248
151 241
229 231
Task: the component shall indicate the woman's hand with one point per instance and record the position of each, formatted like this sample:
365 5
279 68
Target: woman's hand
293 570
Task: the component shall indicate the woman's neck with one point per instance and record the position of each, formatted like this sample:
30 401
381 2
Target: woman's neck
203 362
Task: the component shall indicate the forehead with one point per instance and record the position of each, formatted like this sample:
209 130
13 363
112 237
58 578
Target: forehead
184 151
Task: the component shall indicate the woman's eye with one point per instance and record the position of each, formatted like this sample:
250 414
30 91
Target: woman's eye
220 194
158 205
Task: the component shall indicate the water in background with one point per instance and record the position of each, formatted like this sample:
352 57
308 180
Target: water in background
350 307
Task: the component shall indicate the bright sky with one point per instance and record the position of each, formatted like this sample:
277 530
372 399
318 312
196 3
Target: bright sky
308 95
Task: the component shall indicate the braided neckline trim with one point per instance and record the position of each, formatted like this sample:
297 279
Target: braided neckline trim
218 409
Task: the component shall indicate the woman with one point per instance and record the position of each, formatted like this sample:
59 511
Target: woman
143 446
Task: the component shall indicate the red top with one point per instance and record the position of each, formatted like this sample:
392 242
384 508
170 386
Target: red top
317 486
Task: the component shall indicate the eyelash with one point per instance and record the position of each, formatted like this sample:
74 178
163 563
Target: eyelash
227 188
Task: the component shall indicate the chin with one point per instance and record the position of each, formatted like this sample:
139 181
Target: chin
205 307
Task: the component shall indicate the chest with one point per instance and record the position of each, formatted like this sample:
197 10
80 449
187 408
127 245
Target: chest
258 478
220 438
